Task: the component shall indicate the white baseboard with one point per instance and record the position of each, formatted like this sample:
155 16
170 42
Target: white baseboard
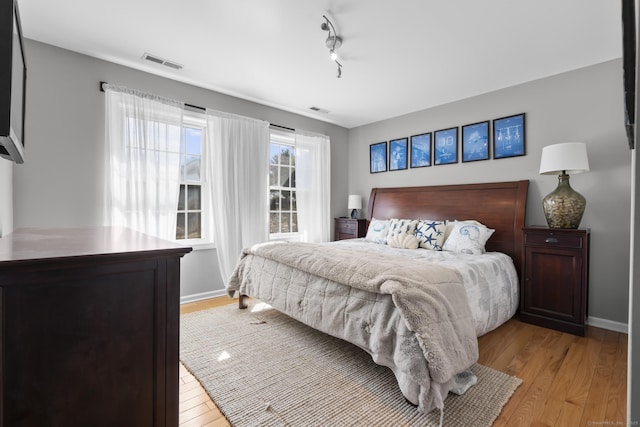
608 324
204 295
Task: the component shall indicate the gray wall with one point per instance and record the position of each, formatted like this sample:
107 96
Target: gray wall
584 105
61 182
6 197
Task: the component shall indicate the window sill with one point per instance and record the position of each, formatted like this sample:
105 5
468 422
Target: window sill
285 237
197 245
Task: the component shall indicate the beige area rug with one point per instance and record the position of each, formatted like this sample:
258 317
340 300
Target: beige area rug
263 368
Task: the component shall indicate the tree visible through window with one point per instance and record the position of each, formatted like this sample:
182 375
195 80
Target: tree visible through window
189 220
283 217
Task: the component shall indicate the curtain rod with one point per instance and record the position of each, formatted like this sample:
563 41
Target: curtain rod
187 105
282 127
204 109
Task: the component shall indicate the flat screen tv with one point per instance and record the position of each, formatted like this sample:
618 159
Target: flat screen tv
13 80
629 68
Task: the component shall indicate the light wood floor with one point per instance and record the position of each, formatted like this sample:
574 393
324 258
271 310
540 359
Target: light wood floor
566 380
196 408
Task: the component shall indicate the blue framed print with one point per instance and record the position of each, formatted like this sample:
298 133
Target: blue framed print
420 150
445 146
475 142
378 157
398 154
509 137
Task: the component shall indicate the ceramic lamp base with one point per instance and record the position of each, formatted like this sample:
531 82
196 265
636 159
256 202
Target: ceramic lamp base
354 213
564 207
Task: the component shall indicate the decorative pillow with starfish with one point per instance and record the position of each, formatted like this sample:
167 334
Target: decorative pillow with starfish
430 234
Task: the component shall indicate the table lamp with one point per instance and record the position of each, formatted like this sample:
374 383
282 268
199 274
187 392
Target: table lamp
355 203
563 207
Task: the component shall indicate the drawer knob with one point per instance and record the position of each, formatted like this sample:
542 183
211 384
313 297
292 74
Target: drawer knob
551 240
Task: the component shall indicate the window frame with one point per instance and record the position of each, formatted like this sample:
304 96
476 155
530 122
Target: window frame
196 119
282 138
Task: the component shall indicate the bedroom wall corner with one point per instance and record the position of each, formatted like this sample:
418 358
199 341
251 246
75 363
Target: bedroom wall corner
6 197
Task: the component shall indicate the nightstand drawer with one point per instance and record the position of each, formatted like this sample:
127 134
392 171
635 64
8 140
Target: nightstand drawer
557 239
346 227
349 228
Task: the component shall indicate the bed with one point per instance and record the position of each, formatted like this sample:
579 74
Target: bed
374 296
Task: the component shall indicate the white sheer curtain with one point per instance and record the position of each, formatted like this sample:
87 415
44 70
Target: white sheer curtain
313 186
142 161
237 164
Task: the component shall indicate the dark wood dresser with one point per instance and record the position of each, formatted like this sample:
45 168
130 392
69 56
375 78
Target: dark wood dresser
350 228
89 328
555 278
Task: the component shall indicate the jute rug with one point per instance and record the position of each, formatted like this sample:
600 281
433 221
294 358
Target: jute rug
263 368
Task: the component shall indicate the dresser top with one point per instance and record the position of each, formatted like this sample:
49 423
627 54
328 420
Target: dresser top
31 244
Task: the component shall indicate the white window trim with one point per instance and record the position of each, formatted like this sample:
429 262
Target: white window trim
283 138
196 118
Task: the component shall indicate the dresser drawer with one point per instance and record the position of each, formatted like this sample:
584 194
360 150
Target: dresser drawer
551 238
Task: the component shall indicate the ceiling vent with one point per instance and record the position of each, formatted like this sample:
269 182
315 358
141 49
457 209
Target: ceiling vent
158 60
319 110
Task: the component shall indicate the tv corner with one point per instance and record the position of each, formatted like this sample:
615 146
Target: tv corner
13 83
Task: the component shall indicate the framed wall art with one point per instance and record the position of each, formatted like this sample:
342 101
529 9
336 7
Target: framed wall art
378 157
445 146
509 137
420 151
475 142
398 154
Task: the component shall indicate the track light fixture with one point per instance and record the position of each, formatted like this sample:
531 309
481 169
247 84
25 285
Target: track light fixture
333 42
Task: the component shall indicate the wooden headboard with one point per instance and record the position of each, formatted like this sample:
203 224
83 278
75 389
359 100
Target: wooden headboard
498 205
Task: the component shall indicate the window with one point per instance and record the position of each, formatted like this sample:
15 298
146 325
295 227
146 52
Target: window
190 202
283 217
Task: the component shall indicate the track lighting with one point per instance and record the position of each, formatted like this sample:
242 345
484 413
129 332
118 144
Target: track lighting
333 42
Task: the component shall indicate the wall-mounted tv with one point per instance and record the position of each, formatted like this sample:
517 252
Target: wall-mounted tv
13 83
629 68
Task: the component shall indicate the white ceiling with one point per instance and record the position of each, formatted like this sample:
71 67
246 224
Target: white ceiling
398 57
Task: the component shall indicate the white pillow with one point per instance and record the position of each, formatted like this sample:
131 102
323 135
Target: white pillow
401 226
430 234
449 224
377 231
452 222
468 237
403 241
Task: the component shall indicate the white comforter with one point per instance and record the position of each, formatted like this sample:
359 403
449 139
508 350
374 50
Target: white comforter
490 279
371 320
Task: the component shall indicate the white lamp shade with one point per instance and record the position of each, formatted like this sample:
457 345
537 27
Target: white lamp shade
570 157
355 202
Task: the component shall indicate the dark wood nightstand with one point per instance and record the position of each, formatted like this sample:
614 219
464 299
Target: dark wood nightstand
555 278
348 228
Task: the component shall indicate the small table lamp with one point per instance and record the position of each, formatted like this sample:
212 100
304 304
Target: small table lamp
355 203
563 207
